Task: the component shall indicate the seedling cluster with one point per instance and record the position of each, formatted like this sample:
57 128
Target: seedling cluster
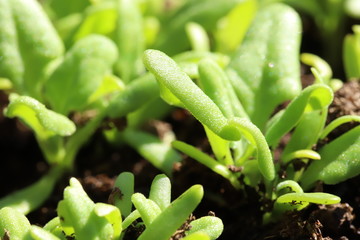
230 63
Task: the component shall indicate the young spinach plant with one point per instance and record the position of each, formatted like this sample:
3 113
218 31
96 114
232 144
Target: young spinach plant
80 218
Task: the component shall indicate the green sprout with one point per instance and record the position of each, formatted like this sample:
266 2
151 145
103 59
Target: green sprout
80 218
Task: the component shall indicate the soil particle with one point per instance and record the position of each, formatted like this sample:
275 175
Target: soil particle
346 102
180 233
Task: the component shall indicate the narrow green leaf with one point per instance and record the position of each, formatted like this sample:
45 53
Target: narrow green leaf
38 233
198 37
257 139
160 191
319 64
159 153
318 198
207 161
299 154
289 185
147 208
351 53
112 215
339 161
337 122
134 96
212 81
129 39
172 39
314 97
168 73
174 215
232 28
123 190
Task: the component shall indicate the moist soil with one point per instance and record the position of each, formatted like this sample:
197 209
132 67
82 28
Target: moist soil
99 162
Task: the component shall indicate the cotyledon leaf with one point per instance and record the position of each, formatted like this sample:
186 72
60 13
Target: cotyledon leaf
182 88
169 220
43 121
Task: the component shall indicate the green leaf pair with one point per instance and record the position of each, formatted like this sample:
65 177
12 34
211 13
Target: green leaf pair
161 216
79 217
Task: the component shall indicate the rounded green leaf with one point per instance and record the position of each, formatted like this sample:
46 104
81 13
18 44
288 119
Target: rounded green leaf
212 226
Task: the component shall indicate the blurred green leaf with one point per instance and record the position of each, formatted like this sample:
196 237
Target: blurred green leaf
80 74
28 44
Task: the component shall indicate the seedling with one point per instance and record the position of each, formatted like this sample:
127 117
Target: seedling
239 127
80 218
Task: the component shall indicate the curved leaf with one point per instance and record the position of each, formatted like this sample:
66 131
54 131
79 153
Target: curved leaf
315 97
316 197
170 76
339 161
44 122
